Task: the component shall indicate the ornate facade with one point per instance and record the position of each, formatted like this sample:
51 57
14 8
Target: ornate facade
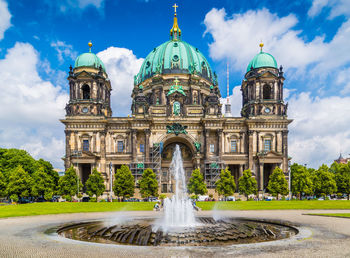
176 100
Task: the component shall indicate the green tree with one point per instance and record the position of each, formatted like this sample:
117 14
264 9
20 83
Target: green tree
95 184
49 170
148 184
68 184
196 184
3 185
20 184
278 183
324 181
247 184
342 177
301 180
43 184
123 185
226 184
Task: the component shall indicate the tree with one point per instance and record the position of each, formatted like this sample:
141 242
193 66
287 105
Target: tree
301 180
226 184
324 182
196 184
95 184
43 184
20 184
247 184
342 177
48 168
3 185
124 182
148 184
278 183
68 184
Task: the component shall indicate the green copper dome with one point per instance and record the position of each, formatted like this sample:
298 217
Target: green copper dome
174 56
89 60
262 60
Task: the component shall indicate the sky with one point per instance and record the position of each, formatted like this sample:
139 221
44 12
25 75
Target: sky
39 40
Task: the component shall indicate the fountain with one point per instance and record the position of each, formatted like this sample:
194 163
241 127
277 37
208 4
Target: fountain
178 211
178 226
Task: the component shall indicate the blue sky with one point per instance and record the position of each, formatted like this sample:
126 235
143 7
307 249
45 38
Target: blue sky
40 39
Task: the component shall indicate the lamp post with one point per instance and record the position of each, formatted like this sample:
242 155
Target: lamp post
290 178
111 179
262 155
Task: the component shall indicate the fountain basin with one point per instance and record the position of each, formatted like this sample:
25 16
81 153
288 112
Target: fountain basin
208 232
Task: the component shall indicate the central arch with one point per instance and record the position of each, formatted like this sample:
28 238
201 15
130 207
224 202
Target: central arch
188 153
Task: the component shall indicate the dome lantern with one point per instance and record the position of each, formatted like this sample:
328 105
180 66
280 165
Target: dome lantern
262 59
89 59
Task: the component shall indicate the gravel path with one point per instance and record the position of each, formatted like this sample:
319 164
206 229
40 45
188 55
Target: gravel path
325 237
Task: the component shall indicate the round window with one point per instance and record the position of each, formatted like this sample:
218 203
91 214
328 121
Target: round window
85 110
175 44
148 64
175 58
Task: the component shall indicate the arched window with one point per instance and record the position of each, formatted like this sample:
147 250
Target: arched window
267 92
86 91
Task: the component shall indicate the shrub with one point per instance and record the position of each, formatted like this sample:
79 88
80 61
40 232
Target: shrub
92 199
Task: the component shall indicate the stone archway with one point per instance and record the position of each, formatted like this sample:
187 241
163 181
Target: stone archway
188 153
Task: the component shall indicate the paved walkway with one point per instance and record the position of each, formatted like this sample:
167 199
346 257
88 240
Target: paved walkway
24 237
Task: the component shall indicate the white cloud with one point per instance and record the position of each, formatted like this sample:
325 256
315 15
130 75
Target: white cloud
64 50
320 129
235 100
121 66
5 18
30 107
74 5
236 38
337 8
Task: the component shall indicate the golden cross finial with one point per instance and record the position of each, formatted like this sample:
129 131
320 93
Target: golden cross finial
90 45
261 46
176 81
175 6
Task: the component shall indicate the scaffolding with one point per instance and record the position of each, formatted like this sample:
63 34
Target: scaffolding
140 164
212 171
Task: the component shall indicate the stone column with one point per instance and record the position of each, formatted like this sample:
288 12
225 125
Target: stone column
147 135
261 177
76 140
94 144
134 144
67 162
240 171
103 152
250 150
219 133
207 149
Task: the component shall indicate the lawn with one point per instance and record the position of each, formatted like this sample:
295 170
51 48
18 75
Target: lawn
76 207
340 215
70 207
276 205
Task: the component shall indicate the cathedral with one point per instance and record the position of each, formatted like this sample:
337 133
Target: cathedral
176 100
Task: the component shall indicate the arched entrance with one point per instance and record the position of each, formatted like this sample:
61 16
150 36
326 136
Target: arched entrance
187 152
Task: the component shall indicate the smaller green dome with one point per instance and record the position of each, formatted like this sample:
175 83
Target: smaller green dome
262 59
89 60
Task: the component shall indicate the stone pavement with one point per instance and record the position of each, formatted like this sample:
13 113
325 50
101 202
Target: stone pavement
323 237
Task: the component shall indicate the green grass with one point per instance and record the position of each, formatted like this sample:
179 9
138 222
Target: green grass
276 205
76 207
340 215
31 209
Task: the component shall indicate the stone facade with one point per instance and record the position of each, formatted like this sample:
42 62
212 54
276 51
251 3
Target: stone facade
190 116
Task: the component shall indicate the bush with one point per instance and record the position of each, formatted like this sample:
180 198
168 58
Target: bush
283 198
68 198
92 199
162 196
238 200
102 200
194 197
250 199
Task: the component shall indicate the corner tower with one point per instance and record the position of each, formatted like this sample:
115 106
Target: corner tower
262 87
89 87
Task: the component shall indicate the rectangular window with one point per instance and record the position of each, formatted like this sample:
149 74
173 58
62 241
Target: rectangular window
165 174
164 188
212 148
142 148
120 146
85 145
267 145
234 146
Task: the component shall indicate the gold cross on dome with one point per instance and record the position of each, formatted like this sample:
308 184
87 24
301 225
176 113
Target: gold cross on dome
176 81
175 6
